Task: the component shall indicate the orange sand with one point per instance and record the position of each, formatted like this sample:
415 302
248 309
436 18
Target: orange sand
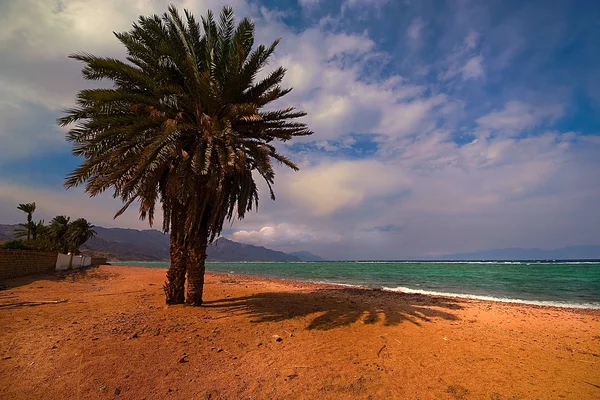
115 338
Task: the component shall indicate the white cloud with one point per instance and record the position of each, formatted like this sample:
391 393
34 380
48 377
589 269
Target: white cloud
36 37
330 187
284 235
414 29
463 61
482 171
348 4
332 84
334 81
406 118
307 4
25 128
471 40
473 69
37 80
445 196
518 116
344 44
75 203
591 139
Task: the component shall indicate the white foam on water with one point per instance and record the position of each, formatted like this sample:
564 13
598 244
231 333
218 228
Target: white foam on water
593 306
335 283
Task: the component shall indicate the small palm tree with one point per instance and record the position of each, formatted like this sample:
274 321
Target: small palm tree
184 125
29 209
38 230
79 232
58 231
35 229
24 230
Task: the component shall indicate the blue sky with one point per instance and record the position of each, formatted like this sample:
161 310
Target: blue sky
440 126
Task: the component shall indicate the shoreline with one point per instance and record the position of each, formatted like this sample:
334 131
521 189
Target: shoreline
465 297
108 333
404 290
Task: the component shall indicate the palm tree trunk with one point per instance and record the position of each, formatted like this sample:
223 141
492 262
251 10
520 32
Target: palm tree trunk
28 226
195 270
175 286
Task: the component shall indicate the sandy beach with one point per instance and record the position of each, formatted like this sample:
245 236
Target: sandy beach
263 338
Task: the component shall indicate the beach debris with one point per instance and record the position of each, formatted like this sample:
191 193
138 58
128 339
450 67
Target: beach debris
380 350
183 359
290 377
32 303
277 338
6 358
117 391
103 387
445 338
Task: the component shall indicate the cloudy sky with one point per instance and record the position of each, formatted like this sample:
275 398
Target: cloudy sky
440 126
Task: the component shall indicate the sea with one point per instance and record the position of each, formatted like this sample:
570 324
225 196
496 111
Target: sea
574 284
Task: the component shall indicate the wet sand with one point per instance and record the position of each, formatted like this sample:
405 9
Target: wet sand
264 338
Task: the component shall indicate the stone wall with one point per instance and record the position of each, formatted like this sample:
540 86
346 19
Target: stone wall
14 263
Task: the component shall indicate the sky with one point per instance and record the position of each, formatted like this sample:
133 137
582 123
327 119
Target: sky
440 126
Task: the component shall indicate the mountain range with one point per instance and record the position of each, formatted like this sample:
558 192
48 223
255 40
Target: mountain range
153 245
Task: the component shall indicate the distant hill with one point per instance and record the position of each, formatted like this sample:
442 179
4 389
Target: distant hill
306 256
517 253
7 232
227 250
128 244
153 245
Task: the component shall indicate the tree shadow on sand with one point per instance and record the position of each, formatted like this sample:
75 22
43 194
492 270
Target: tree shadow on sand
334 308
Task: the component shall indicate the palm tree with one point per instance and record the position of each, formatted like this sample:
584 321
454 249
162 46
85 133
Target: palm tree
184 125
23 230
38 230
58 231
34 229
79 232
28 208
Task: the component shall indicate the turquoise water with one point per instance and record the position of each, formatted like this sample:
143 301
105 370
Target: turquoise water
570 284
